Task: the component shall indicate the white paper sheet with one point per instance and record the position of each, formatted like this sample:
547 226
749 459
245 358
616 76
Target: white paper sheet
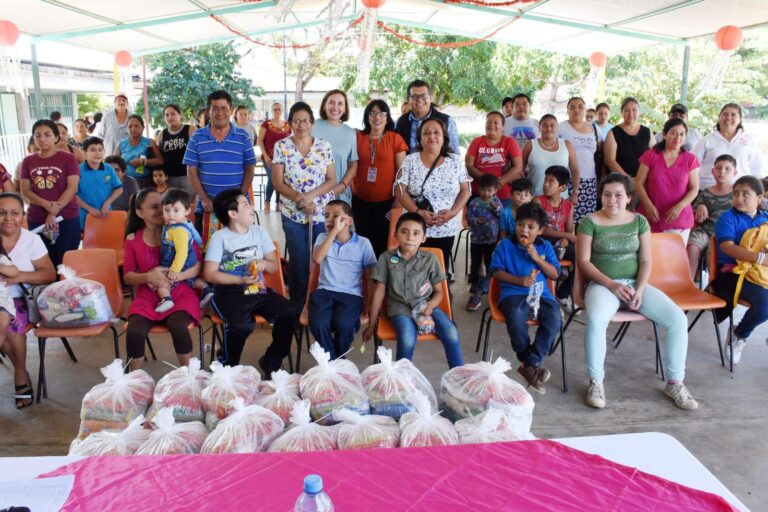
39 495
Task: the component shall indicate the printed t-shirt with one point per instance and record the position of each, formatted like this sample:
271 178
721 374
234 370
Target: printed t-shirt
376 185
492 160
234 252
521 130
48 179
615 248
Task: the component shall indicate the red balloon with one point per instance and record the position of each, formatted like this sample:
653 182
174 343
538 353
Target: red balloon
728 37
9 33
598 59
123 58
373 4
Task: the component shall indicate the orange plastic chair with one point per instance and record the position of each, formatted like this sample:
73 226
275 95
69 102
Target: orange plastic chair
386 331
467 236
271 280
191 216
393 218
106 233
493 313
97 265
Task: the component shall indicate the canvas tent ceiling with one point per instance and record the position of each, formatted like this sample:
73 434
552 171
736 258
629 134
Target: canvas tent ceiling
577 27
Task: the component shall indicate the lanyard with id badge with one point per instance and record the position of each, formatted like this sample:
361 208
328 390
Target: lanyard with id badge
372 171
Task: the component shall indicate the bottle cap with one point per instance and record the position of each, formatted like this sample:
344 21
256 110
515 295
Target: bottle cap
313 484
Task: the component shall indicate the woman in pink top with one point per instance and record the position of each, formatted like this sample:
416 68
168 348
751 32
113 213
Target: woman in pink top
142 269
667 182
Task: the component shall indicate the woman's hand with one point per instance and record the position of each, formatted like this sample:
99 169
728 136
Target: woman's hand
136 162
624 293
50 222
429 217
673 213
652 213
157 278
701 214
310 209
575 198
443 216
637 300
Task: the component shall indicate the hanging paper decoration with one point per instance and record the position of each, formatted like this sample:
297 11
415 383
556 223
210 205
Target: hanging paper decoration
373 4
123 75
727 40
123 58
367 42
596 78
10 66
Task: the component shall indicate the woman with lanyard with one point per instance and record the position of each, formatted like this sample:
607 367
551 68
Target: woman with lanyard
627 140
172 142
586 142
495 154
381 151
135 151
271 131
547 151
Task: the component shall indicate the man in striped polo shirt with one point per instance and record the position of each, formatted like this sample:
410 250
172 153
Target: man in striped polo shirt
219 156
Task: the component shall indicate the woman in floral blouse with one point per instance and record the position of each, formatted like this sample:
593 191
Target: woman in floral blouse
303 174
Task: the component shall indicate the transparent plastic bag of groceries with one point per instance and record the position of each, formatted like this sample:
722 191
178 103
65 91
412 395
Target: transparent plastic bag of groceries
332 385
358 431
490 426
113 404
388 383
182 389
226 384
423 427
470 389
171 438
249 429
279 394
304 435
74 302
113 442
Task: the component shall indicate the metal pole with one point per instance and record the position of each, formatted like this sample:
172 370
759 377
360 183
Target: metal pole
38 103
684 81
285 80
146 96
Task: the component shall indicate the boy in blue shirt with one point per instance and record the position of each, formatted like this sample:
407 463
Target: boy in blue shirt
99 186
345 259
522 193
729 229
518 263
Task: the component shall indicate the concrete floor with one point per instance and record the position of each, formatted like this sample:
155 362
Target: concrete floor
726 433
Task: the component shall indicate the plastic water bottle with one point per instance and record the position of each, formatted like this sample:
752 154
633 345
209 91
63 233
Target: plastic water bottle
313 499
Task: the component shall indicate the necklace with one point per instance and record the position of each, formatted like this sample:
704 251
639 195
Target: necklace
547 146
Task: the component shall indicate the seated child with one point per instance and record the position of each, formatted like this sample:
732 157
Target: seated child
708 206
522 190
483 218
410 280
519 263
99 185
160 179
130 187
176 251
237 256
345 258
729 229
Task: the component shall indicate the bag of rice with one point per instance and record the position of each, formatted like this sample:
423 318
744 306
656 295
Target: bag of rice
113 404
490 426
332 385
182 390
171 438
470 389
226 384
303 435
424 428
366 431
291 383
282 394
249 429
388 383
113 442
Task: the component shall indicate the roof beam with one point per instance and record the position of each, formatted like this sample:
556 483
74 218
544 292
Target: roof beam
656 12
244 7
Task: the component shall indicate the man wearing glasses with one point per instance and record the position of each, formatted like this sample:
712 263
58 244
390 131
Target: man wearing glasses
419 95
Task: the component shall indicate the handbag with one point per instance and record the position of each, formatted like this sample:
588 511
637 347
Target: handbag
422 203
31 294
598 156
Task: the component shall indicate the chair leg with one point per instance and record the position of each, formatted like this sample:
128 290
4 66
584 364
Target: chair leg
659 361
730 338
42 384
69 350
718 337
115 337
201 342
214 336
480 332
466 256
299 340
622 332
376 344
151 349
695 320
570 318
487 336
619 332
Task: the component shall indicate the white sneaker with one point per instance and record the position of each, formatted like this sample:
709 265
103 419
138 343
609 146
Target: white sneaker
681 396
596 394
738 348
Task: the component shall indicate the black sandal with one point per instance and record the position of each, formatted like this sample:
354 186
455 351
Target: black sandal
24 392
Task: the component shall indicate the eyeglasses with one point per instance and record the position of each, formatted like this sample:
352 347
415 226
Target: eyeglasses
377 114
301 121
422 96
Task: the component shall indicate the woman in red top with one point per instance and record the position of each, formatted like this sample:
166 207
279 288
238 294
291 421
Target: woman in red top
271 131
381 151
141 268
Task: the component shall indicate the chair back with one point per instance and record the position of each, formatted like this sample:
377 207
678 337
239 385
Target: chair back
191 216
579 287
394 215
99 265
494 292
445 303
712 261
25 222
275 280
670 270
105 233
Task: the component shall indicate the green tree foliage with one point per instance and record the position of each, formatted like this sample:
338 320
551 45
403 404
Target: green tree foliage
89 103
187 77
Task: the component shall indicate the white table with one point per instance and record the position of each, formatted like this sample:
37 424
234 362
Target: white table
653 452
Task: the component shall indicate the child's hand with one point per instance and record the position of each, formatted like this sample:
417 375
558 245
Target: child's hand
341 223
105 212
527 281
428 309
531 250
364 319
95 212
368 333
304 316
701 214
249 280
172 276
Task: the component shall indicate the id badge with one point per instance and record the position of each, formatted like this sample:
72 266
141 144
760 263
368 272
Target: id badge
372 174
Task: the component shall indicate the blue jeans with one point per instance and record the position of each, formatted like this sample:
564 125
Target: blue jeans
297 243
334 318
270 188
68 239
725 286
515 311
602 304
445 330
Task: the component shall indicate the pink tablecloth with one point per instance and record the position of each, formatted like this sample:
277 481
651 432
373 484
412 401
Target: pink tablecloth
529 475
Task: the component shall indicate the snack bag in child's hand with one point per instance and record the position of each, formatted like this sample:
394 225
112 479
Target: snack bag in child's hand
423 428
258 287
303 435
171 438
226 384
425 324
366 431
490 426
113 442
281 394
247 430
182 389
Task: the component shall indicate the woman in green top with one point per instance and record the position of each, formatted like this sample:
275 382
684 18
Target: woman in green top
613 252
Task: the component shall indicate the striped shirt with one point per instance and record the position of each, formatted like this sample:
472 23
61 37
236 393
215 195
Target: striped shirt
220 165
342 268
